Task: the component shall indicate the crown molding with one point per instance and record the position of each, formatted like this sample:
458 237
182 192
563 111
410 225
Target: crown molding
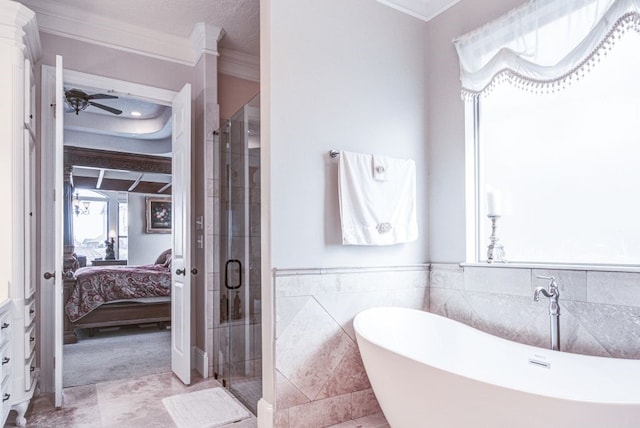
204 39
424 10
90 28
238 64
19 24
114 34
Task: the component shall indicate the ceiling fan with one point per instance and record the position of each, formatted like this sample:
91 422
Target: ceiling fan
78 100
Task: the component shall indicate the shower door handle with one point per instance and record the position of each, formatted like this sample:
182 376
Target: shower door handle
226 274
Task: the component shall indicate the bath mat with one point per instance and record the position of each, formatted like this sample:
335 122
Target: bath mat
208 408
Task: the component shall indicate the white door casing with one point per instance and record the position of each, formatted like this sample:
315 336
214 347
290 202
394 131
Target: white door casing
181 254
58 230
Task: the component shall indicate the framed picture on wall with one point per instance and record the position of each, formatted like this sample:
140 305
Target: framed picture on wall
158 215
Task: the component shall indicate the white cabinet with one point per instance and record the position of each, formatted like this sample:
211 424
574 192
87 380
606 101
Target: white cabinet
6 357
19 49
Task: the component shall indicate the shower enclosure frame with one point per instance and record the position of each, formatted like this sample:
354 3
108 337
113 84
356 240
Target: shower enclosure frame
239 351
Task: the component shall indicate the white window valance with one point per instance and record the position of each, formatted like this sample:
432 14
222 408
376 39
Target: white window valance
543 45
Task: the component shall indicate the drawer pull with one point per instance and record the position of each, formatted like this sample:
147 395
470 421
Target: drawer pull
31 311
32 369
6 397
31 339
5 360
5 325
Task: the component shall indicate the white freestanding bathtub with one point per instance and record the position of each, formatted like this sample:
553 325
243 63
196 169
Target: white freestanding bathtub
431 371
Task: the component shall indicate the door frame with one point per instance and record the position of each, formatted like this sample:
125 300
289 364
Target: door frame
47 132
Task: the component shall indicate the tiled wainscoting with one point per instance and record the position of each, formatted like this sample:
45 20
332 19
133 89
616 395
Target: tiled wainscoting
320 379
600 311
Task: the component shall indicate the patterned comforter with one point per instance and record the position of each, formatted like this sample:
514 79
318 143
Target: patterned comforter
96 285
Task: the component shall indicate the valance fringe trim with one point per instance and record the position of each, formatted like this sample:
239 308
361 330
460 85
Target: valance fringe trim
529 82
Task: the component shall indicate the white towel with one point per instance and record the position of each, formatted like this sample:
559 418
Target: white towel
374 212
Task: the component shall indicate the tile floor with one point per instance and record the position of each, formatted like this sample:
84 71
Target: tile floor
120 403
371 421
135 403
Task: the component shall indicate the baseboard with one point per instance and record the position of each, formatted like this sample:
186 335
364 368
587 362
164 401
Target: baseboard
265 414
200 361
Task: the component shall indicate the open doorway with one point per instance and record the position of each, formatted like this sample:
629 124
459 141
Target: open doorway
53 222
117 303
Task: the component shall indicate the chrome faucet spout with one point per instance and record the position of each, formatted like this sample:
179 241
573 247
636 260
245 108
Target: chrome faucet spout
538 290
553 293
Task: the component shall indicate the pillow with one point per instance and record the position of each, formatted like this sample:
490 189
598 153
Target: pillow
167 262
162 258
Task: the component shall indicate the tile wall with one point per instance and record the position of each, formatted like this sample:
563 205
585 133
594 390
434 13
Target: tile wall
600 311
320 379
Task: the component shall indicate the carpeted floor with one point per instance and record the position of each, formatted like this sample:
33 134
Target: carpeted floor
114 354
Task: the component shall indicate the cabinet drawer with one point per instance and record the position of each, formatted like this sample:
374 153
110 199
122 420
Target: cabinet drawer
6 395
29 372
5 328
5 361
29 313
29 339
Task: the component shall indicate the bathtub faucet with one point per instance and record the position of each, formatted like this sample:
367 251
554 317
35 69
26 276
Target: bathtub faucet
553 293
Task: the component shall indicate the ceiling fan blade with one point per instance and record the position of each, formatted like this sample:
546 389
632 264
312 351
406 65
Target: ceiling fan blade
101 97
74 93
107 108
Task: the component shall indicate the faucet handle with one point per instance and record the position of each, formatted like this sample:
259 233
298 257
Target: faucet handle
553 286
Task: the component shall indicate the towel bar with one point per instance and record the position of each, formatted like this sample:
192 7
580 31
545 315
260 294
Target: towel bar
334 153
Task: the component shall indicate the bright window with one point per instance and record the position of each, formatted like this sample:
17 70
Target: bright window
566 164
90 223
123 228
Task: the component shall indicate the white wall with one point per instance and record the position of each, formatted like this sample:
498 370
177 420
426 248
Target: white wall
144 247
348 75
102 61
446 125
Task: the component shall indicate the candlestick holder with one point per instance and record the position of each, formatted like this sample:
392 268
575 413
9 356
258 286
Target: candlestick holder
495 251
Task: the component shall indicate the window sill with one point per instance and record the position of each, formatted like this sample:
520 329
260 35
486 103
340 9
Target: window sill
555 266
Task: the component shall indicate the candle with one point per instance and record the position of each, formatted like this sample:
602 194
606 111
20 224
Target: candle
494 203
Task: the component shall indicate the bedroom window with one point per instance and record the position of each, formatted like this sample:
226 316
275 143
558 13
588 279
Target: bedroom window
554 105
123 231
90 224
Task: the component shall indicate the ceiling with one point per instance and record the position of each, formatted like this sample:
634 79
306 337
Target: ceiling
169 29
171 23
143 128
240 19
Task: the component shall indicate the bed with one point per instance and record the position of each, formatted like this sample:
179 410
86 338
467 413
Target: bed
108 296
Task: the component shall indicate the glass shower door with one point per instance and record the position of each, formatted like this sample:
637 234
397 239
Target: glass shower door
240 309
